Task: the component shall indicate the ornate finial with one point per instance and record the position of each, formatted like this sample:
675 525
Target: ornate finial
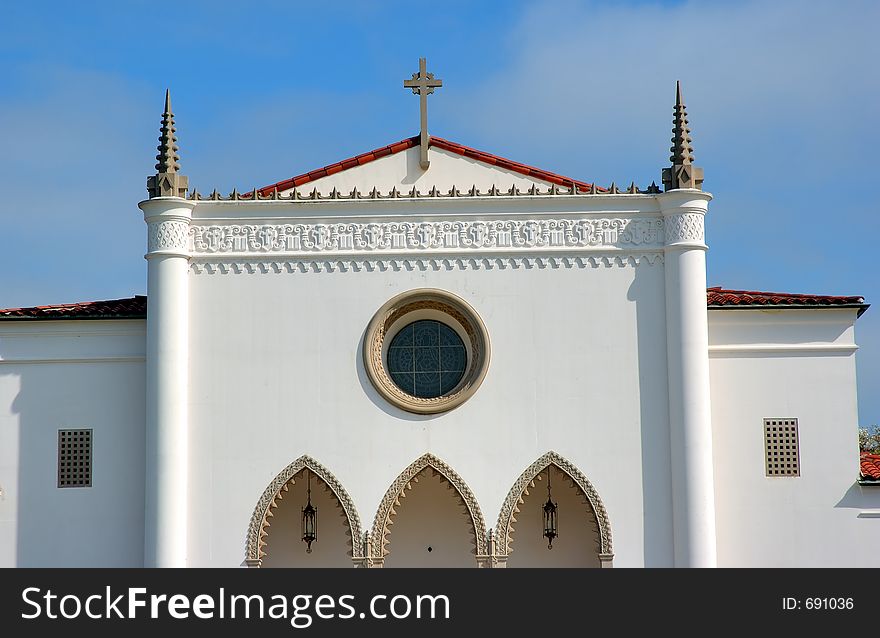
167 182
682 152
423 84
167 148
682 173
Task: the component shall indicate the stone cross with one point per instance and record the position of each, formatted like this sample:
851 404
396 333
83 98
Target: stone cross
423 84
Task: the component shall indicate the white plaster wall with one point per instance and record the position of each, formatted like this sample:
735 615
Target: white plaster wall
788 364
71 374
403 171
578 366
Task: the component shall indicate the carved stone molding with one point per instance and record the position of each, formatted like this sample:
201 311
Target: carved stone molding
265 194
273 493
441 236
168 234
685 227
527 262
449 309
386 510
507 517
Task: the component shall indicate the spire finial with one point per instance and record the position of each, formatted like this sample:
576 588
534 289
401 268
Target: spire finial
167 182
167 148
682 173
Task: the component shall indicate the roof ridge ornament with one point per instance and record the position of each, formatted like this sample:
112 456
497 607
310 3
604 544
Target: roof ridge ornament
682 173
167 182
423 84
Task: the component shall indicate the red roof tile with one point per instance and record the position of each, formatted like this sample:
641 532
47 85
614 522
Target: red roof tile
439 142
870 467
136 307
516 167
718 297
131 308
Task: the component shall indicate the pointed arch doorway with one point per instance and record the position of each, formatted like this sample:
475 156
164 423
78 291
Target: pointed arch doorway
274 536
584 531
428 518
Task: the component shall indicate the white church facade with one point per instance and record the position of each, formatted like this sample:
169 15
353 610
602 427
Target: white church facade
428 355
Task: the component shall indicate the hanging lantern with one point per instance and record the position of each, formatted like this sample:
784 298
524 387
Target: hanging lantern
309 519
551 530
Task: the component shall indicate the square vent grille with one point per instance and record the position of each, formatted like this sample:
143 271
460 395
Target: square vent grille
74 458
781 455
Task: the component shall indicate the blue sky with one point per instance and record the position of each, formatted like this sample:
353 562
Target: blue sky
783 98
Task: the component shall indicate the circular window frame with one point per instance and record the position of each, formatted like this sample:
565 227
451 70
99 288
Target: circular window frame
426 303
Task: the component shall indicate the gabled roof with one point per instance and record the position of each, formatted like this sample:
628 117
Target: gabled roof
869 473
439 142
718 297
130 308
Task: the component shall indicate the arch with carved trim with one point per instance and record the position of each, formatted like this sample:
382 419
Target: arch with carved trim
506 519
275 492
386 510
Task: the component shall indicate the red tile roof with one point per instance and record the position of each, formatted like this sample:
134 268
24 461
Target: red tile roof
510 165
330 169
136 307
718 297
870 468
439 142
131 308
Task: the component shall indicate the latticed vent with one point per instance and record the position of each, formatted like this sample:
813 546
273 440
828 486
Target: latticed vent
781 456
74 458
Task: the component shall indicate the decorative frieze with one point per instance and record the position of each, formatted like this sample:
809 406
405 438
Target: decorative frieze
684 227
167 234
426 236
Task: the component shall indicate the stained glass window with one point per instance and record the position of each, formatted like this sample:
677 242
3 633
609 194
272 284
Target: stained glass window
427 359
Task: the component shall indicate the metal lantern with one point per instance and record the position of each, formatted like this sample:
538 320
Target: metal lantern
551 530
309 519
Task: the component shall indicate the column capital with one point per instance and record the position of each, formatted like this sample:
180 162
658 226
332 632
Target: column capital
684 199
168 220
684 211
167 208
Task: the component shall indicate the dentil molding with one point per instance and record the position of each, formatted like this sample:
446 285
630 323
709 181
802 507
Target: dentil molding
212 264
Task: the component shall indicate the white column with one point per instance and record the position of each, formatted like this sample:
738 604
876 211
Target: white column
165 515
687 344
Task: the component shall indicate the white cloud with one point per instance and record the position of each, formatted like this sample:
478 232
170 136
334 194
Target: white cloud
591 85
